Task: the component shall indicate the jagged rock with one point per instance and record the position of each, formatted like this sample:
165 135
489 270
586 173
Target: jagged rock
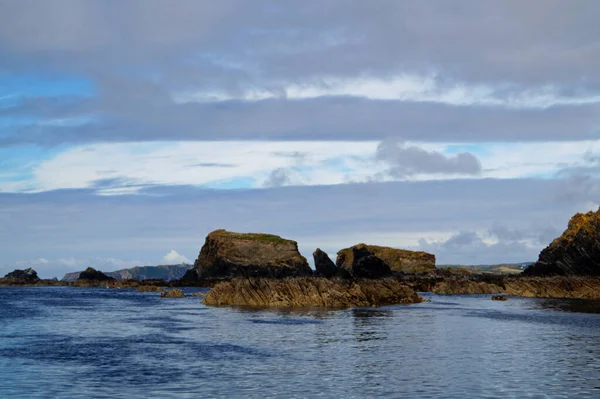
466 286
91 274
226 254
572 287
324 266
26 276
575 253
310 291
399 260
370 266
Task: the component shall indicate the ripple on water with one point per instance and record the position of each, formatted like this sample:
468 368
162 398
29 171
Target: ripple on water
82 343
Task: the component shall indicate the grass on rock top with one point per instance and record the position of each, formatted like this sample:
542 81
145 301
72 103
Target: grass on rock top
270 238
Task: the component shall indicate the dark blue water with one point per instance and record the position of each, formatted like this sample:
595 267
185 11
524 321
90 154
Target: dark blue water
63 342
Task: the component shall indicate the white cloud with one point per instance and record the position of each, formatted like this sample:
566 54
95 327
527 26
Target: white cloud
125 168
173 257
404 87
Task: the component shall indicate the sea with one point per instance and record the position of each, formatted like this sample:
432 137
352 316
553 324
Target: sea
66 342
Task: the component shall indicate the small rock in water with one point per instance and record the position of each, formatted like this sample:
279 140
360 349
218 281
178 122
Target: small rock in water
499 298
149 288
172 294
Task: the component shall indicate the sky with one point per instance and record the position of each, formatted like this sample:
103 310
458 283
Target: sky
131 129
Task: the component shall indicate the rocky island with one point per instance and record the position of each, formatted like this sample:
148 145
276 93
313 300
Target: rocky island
225 255
267 270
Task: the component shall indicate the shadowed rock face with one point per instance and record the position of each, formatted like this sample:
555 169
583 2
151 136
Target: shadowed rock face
227 254
370 266
27 276
399 260
324 266
575 253
91 274
311 291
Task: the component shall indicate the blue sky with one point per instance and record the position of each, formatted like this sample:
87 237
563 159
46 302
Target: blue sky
130 131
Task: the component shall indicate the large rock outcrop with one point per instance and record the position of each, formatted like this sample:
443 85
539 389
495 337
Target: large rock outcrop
575 253
226 254
398 260
312 291
28 276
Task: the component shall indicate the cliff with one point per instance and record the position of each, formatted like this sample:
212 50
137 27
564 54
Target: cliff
575 253
226 254
399 260
310 292
161 272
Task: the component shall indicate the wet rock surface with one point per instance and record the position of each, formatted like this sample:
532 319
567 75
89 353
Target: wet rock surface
399 260
310 292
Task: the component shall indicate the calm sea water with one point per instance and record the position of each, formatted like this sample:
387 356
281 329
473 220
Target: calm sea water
62 342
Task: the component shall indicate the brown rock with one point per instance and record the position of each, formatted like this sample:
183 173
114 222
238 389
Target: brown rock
175 293
227 254
466 286
311 292
150 288
554 287
399 260
575 253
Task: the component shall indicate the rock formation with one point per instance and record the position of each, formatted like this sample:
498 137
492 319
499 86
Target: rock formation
571 287
172 294
28 276
324 266
91 274
466 287
399 260
149 288
575 253
226 254
370 266
308 292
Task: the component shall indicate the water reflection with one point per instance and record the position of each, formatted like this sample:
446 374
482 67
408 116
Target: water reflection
126 343
369 324
570 305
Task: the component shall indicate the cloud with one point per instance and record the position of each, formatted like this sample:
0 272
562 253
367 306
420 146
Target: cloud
410 160
277 178
392 213
335 71
173 257
472 248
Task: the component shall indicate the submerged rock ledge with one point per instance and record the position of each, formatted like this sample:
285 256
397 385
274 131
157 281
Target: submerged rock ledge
310 292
